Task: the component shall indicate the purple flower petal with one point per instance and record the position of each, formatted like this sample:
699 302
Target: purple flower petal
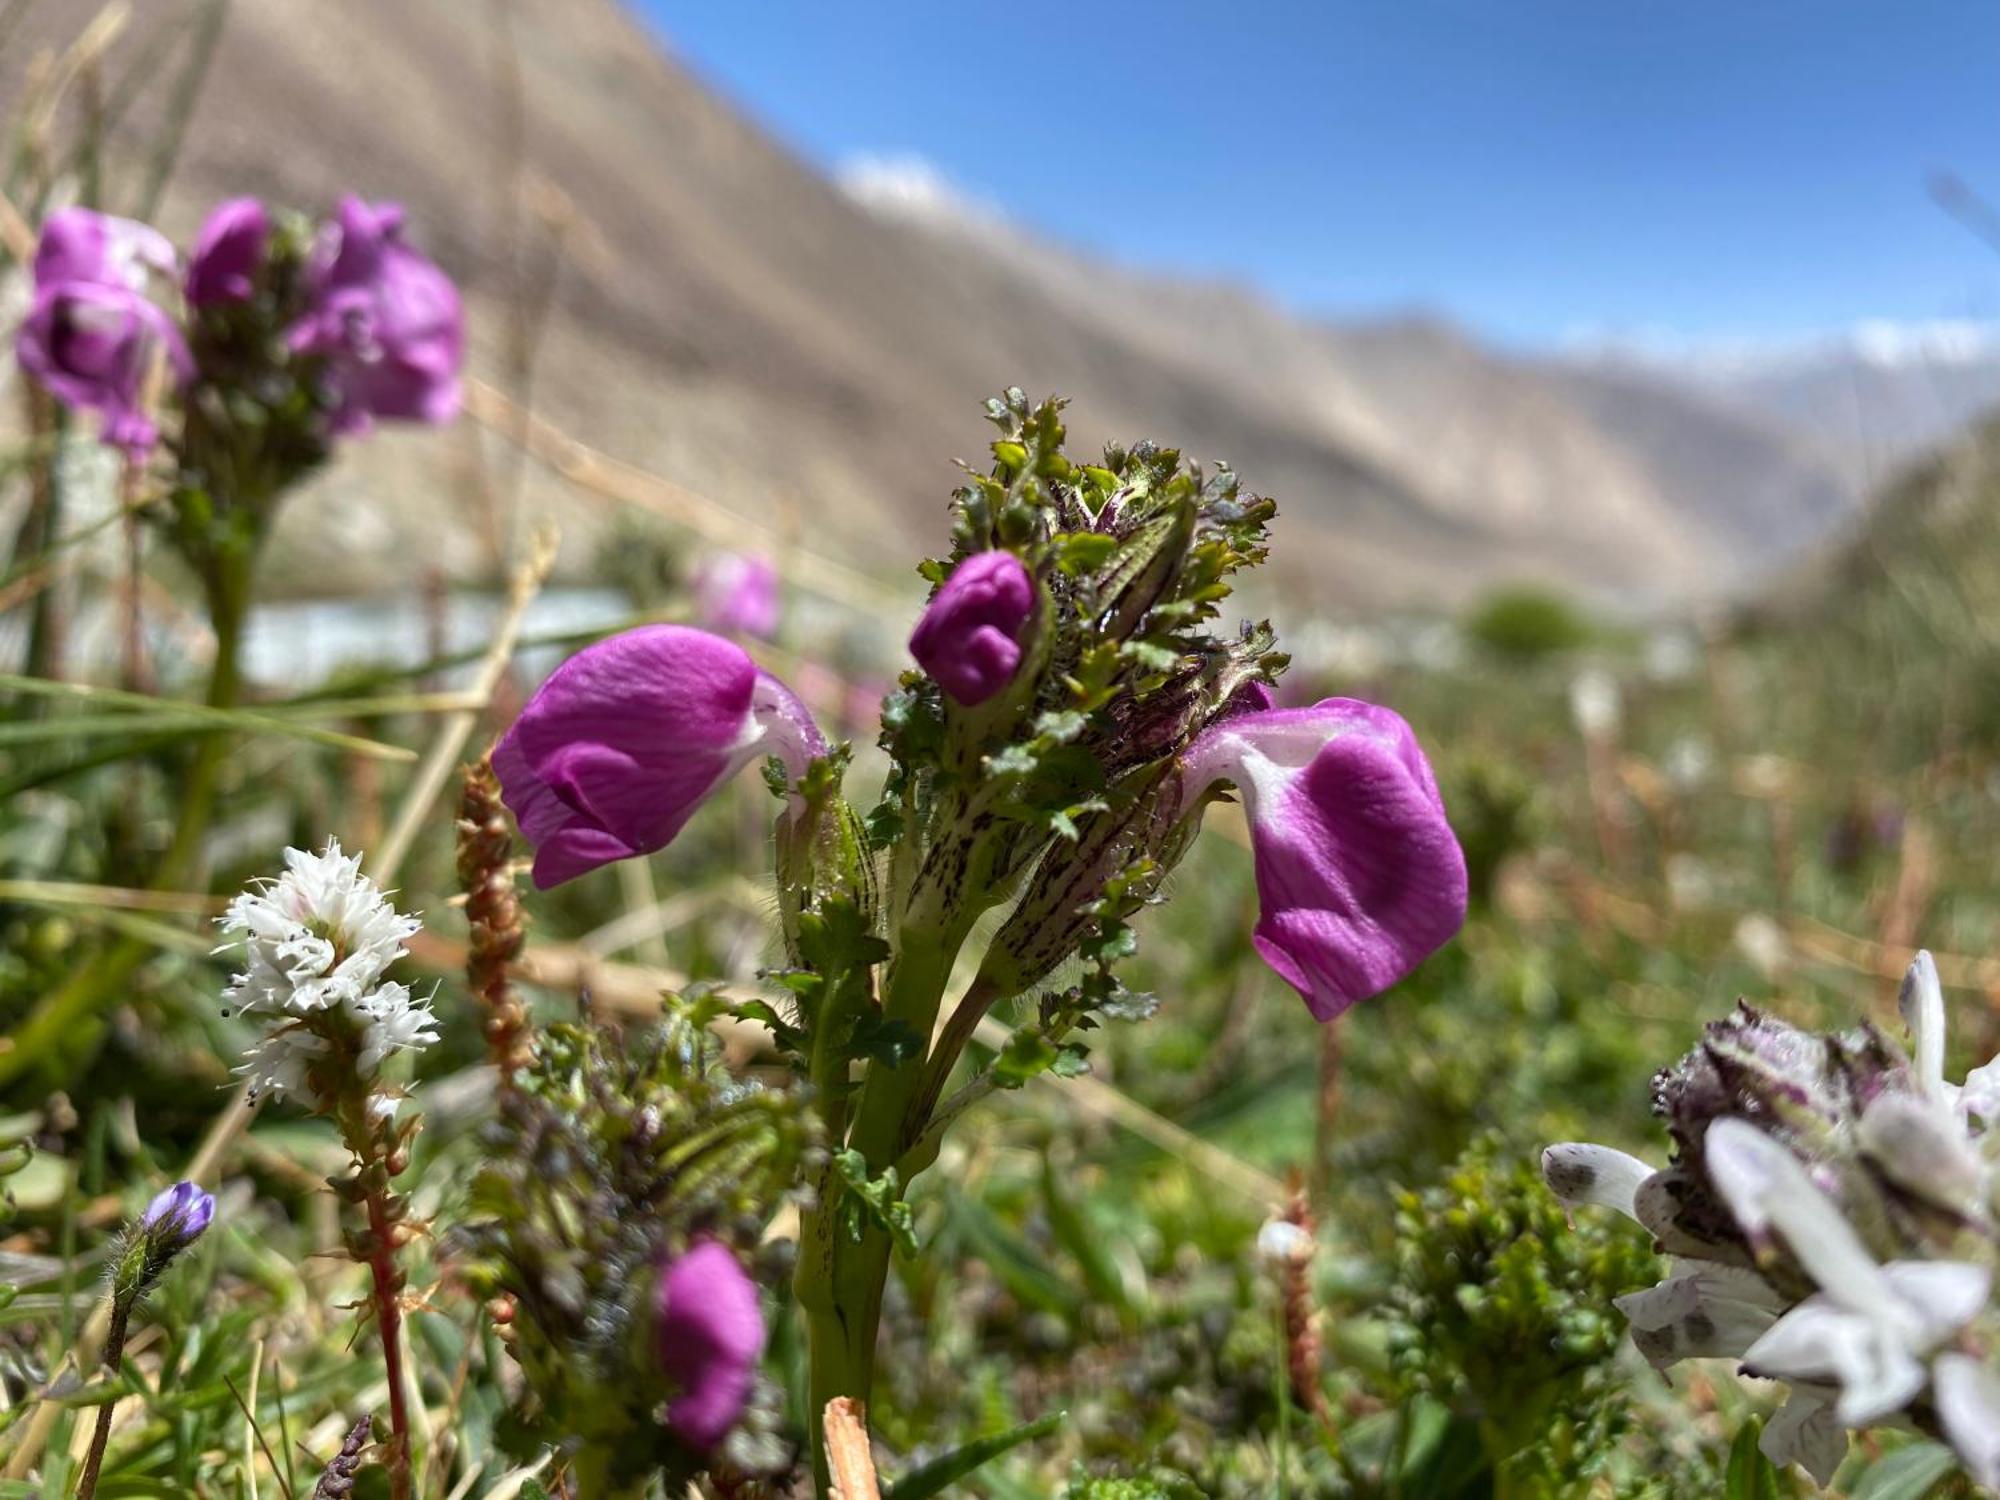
82 245
177 1216
94 346
228 253
708 1330
969 636
1359 877
389 323
617 749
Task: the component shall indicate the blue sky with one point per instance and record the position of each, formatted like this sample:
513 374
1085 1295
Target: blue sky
1710 169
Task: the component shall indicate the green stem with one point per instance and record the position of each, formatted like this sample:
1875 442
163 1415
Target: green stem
55 1022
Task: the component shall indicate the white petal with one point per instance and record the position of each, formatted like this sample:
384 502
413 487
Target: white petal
1922 1146
1922 1004
1805 1431
1767 1189
1942 1295
1702 1311
1868 1357
1968 1403
1980 1097
1581 1173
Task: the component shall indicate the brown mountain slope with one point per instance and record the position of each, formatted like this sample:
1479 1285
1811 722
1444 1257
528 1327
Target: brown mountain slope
729 319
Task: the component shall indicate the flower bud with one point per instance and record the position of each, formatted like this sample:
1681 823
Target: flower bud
228 253
708 1335
969 638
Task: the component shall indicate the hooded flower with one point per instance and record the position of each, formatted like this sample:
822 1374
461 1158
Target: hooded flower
628 737
388 322
1359 877
708 1331
228 253
737 595
969 638
92 337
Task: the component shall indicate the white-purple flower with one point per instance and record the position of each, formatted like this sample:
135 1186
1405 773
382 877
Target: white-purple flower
387 321
1359 877
969 637
176 1218
627 738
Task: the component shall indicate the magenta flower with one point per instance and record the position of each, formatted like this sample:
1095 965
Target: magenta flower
1359 877
737 594
388 322
94 346
228 253
617 749
969 638
82 245
708 1331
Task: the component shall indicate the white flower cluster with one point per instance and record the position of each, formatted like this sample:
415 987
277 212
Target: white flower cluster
317 942
1852 1250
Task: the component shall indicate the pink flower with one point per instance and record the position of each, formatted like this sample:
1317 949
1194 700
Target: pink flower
627 738
708 1331
94 346
228 253
82 245
737 594
91 337
969 638
1359 877
388 322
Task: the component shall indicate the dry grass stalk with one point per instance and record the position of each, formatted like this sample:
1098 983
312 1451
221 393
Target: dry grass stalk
847 1451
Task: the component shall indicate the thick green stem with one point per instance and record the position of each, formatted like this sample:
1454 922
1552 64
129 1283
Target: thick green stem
56 1020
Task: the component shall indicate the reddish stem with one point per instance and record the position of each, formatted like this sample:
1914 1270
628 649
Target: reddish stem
389 1321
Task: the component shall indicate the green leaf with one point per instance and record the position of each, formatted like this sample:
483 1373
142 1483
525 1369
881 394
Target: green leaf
934 1476
880 1199
891 1043
1750 1475
1907 1474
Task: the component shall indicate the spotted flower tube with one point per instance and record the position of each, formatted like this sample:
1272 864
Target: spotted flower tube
1830 1209
1359 877
615 751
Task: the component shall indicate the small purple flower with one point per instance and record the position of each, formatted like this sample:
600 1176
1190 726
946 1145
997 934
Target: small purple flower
969 638
388 322
82 245
1359 877
94 345
708 1331
737 594
628 737
176 1218
228 253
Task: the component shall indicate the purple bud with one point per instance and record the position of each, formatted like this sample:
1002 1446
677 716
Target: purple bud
228 253
388 322
708 1331
737 595
627 738
969 638
1359 877
94 346
176 1218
